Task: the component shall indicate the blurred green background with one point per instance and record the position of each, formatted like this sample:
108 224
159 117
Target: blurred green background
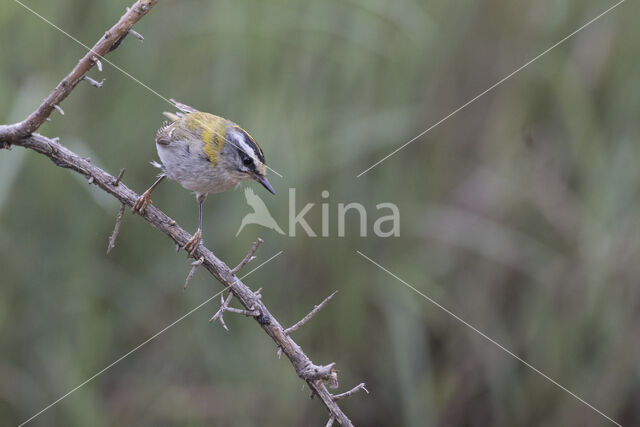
519 214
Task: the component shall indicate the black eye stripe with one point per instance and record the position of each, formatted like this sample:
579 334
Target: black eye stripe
248 139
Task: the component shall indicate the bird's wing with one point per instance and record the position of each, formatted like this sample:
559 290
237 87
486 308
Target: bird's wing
172 116
183 107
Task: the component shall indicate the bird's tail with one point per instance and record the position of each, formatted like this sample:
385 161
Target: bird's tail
184 108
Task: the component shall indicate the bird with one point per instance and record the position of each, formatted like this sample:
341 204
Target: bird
260 214
205 154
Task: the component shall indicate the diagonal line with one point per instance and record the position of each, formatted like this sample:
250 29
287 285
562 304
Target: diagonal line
491 340
117 67
142 344
91 50
490 88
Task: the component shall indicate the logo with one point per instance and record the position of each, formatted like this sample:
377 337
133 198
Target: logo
384 225
260 215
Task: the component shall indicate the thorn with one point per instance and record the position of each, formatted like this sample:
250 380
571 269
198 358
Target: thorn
308 317
354 390
94 83
136 35
90 180
249 257
224 306
97 61
48 119
116 229
194 265
57 107
119 177
56 139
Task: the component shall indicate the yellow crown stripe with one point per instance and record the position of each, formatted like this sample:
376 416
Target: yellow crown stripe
252 140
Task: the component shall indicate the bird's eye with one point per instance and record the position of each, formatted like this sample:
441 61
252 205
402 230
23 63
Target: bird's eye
246 161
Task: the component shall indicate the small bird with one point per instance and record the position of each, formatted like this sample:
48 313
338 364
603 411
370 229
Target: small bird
205 154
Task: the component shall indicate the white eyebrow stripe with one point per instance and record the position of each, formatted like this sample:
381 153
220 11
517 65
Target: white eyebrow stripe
249 151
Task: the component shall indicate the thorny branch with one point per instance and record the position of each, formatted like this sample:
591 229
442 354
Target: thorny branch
22 134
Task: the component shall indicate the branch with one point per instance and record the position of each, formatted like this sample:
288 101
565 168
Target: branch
250 256
308 317
354 390
22 134
107 43
314 375
194 265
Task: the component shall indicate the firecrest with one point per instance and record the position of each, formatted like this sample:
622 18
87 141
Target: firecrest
205 154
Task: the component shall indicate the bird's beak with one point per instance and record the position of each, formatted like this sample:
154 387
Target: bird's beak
265 183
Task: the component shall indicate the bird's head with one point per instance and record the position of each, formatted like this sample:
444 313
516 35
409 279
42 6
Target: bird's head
247 156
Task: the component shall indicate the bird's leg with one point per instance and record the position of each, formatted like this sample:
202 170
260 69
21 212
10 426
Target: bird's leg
145 199
195 241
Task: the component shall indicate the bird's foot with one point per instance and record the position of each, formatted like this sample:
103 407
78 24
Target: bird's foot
193 244
141 203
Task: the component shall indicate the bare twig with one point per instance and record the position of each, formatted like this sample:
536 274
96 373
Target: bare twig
116 229
194 265
59 108
119 177
330 422
250 256
349 393
92 82
22 134
308 317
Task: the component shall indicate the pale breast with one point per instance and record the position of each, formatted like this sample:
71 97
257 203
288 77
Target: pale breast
187 164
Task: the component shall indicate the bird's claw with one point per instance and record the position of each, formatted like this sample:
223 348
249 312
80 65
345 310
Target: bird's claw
193 244
141 203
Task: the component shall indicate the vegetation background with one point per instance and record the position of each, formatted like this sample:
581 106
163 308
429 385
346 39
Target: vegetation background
520 214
